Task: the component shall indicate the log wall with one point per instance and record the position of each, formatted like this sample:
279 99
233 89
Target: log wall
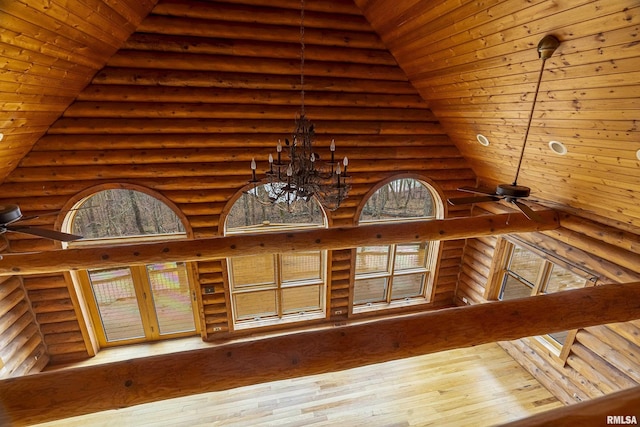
59 316
602 359
197 92
22 347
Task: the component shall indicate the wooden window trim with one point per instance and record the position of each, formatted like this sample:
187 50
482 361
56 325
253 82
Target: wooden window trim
432 264
555 351
390 274
149 322
281 318
553 258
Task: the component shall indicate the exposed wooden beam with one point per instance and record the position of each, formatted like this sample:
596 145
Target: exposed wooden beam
69 392
623 405
251 244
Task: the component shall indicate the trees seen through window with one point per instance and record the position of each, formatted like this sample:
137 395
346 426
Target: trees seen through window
393 275
123 212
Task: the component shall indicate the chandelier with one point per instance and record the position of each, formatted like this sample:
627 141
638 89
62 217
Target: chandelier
301 173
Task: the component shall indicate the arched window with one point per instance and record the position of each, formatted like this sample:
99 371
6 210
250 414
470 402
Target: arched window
119 212
132 303
272 289
396 275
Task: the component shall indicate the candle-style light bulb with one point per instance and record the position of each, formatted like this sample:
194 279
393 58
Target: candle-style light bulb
345 162
289 170
279 150
270 163
332 147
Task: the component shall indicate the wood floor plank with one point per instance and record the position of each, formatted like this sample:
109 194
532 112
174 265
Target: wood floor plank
478 386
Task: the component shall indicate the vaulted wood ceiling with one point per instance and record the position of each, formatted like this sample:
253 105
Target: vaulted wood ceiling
474 63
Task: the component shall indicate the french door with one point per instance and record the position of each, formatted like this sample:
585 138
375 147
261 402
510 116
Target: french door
140 303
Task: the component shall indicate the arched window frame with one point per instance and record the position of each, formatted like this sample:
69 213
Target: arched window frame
82 298
432 255
232 291
68 212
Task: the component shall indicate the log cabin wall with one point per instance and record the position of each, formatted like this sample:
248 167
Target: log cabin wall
602 359
197 92
22 348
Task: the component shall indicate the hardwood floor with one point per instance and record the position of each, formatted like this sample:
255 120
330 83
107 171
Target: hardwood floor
477 386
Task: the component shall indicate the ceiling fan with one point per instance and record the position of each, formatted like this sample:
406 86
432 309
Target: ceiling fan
11 214
513 193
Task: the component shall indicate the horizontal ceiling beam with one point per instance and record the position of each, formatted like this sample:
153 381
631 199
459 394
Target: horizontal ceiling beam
253 244
69 392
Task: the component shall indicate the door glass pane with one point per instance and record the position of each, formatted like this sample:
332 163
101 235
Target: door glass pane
252 305
301 298
410 256
370 290
563 280
372 259
559 337
117 304
406 286
253 270
513 288
171 297
299 266
526 264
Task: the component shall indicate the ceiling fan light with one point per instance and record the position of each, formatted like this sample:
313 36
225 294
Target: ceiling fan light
558 147
483 140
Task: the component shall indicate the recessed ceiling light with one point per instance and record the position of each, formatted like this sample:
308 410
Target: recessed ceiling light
482 139
558 147
638 154
1 136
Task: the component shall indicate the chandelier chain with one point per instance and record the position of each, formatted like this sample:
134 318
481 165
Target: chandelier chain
302 57
298 172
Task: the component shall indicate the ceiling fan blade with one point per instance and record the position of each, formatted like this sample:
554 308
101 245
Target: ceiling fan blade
477 191
47 234
473 199
527 211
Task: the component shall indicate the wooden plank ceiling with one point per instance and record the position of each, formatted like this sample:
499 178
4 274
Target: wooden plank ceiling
49 51
474 63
